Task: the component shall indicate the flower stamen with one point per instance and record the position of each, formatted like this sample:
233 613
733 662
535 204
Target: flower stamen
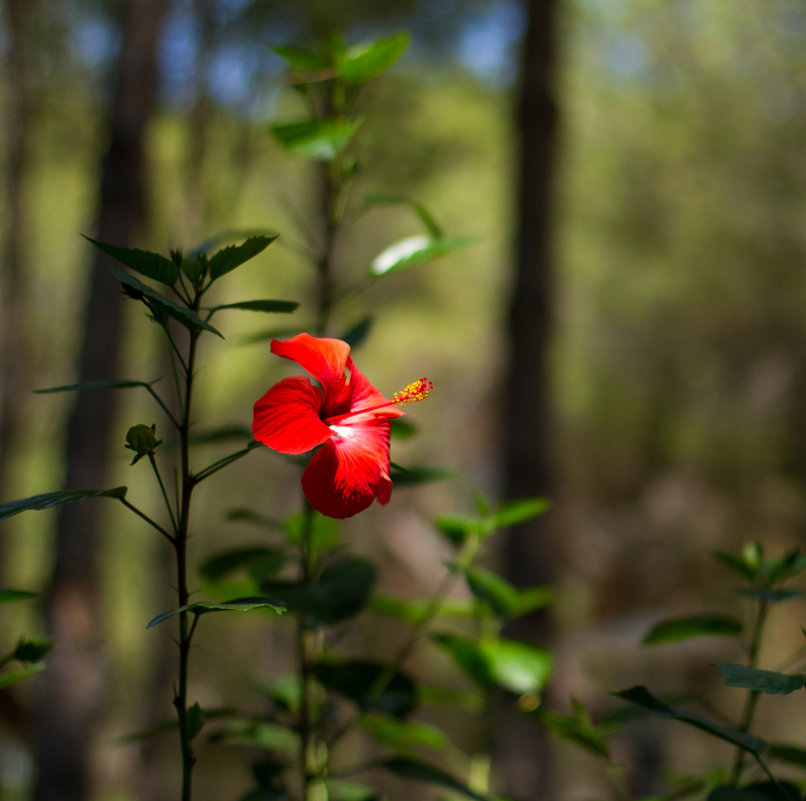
414 392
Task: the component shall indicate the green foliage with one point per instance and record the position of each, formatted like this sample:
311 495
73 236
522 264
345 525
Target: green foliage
237 605
765 681
149 264
321 140
49 499
419 771
226 260
683 628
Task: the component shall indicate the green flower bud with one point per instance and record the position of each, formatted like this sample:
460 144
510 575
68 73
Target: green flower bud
142 439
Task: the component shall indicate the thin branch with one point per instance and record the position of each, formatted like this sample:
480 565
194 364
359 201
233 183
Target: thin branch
148 520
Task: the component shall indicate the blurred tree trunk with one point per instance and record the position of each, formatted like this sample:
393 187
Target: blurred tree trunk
527 449
74 683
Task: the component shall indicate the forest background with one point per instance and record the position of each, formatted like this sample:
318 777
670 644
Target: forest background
676 361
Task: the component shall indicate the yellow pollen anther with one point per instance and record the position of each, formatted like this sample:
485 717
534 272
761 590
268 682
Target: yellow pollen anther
413 392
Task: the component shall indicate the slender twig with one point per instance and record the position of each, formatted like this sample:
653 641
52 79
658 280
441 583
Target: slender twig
168 536
162 405
226 460
168 506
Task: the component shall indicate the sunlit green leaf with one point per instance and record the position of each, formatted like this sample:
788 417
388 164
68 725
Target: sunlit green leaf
469 656
643 697
301 59
321 140
504 598
366 60
416 770
378 199
512 513
203 607
517 666
765 681
414 251
682 628
403 734
151 265
49 499
234 256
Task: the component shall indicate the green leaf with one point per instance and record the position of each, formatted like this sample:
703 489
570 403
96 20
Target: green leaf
414 251
195 720
457 528
519 511
159 303
414 476
736 564
517 666
15 675
402 429
416 770
769 595
237 605
413 611
151 265
505 599
403 734
341 591
469 656
321 140
356 335
234 256
642 697
793 754
268 306
682 628
580 732
378 199
358 680
301 59
760 791
267 736
340 790
765 681
32 650
366 60
325 535
8 596
259 563
100 383
49 499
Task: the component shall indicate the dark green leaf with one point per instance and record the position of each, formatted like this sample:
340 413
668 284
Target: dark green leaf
321 140
430 223
793 754
366 60
49 499
234 256
402 429
681 628
300 59
32 650
203 607
469 656
419 771
413 476
160 304
457 528
403 734
15 675
358 333
769 595
268 306
505 599
259 562
12 596
100 383
414 251
765 681
736 564
519 511
643 697
371 685
195 720
761 791
151 265
341 591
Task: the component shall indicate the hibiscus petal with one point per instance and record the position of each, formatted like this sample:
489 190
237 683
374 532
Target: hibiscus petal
364 395
286 418
351 470
325 359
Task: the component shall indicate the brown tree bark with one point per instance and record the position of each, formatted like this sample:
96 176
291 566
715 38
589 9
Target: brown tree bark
74 686
528 463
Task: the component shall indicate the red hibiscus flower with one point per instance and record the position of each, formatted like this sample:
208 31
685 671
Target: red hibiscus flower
345 414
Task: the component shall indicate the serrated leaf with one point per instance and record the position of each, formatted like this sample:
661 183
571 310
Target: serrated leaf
358 679
416 770
15 675
765 681
151 265
379 198
259 562
642 697
513 513
203 607
100 383
504 598
416 475
234 256
266 306
50 499
321 140
403 734
186 317
8 596
367 60
414 251
195 720
682 628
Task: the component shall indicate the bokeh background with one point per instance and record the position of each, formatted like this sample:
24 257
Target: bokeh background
668 365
